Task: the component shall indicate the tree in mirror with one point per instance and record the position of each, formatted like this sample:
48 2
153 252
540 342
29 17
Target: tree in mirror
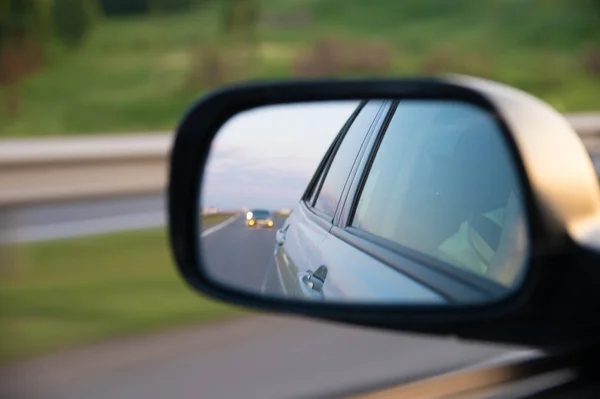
380 201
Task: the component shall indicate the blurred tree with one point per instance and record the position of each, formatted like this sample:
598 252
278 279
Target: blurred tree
240 17
124 7
26 27
234 52
21 26
72 20
239 26
137 7
19 18
169 5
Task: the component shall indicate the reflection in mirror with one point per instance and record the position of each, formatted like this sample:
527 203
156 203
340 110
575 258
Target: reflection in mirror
412 202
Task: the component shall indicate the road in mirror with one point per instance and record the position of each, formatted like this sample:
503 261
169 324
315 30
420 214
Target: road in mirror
411 202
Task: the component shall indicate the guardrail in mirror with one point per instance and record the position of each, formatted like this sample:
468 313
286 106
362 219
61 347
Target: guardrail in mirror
393 202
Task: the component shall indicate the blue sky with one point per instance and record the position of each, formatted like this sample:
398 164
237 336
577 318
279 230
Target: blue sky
265 157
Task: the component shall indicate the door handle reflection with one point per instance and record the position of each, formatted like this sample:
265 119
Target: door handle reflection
315 280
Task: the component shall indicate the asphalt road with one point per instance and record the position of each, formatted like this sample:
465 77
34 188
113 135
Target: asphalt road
240 255
77 218
256 357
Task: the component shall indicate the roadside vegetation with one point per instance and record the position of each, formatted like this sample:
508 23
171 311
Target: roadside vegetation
137 69
66 293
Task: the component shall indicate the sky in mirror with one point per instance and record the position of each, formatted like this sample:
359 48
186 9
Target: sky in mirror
265 157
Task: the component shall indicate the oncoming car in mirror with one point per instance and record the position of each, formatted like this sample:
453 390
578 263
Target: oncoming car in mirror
259 218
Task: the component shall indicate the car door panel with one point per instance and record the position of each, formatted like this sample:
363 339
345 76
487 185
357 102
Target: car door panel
356 276
300 251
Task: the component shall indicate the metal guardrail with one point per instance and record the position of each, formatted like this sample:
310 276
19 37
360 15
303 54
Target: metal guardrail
55 169
46 170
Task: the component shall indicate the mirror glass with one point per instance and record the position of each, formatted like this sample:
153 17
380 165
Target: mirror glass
414 202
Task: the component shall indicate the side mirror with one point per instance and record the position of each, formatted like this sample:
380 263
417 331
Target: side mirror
452 205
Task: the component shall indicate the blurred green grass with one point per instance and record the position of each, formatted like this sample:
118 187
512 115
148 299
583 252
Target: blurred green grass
68 293
132 74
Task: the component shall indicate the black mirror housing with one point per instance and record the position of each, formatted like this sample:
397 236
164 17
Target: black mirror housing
558 297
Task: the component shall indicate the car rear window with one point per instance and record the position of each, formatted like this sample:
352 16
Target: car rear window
261 213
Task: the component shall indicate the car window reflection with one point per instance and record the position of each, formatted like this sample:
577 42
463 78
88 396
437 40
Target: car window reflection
442 183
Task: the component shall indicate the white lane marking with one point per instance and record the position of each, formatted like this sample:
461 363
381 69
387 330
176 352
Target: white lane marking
273 264
87 227
220 225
